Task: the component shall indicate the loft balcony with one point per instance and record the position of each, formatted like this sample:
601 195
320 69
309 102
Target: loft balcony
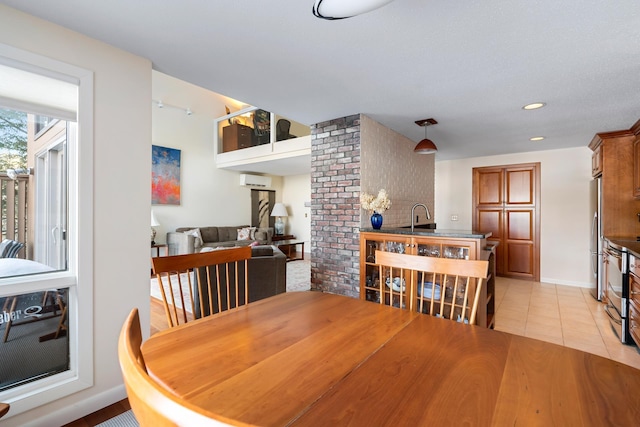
259 141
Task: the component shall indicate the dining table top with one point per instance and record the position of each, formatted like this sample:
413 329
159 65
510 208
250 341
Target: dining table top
318 359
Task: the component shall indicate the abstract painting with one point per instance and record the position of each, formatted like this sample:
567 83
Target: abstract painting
165 176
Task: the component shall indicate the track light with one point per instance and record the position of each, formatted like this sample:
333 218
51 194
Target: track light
161 104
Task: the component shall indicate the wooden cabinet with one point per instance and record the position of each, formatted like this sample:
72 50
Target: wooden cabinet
461 248
620 208
236 136
596 162
636 159
634 298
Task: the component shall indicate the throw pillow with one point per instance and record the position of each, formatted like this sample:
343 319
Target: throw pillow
195 233
247 233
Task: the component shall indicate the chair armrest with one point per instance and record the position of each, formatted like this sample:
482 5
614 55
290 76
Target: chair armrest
180 243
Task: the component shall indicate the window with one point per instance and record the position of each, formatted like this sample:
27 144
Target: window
41 123
46 289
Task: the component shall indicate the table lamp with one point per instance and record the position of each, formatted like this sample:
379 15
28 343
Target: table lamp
154 223
279 211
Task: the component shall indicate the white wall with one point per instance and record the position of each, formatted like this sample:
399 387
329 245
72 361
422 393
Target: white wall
122 149
565 217
295 191
211 196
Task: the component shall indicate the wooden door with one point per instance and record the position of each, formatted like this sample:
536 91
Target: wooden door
506 200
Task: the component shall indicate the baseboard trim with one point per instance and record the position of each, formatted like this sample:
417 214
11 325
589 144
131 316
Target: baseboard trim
564 282
79 409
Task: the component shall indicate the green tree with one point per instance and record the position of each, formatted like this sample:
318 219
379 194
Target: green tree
13 139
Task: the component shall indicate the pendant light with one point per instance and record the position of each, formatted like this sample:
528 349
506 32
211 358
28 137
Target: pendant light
340 9
426 146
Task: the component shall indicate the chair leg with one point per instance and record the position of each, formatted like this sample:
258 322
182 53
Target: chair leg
8 325
61 330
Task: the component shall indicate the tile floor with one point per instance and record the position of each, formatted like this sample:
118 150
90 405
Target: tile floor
564 315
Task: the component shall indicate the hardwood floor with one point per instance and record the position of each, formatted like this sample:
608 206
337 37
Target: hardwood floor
102 415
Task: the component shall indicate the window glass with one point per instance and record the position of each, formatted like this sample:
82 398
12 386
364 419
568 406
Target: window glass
34 323
34 334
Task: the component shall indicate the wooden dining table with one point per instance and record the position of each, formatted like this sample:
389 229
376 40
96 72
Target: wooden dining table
318 359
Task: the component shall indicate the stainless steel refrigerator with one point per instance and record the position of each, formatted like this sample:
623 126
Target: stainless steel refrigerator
595 247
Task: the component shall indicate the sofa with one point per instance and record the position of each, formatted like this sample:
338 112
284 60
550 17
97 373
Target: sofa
267 271
188 240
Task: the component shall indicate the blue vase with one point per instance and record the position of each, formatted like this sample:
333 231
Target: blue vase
376 221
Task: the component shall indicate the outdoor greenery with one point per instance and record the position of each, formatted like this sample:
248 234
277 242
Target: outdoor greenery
13 139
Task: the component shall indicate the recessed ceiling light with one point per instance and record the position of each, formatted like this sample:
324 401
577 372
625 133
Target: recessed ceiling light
534 106
536 138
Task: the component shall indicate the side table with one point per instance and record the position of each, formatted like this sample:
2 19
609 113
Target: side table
288 247
157 247
281 237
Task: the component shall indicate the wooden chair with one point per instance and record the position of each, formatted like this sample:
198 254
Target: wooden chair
153 405
442 287
4 408
394 288
219 283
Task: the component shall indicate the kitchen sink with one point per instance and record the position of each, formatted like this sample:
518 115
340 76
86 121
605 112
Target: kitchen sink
431 226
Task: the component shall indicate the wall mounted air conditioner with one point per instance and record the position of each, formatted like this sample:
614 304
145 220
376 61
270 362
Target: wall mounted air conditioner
249 180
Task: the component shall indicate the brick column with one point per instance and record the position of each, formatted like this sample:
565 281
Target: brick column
335 206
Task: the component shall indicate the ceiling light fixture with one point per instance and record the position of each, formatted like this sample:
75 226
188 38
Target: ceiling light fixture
340 9
426 146
537 138
534 106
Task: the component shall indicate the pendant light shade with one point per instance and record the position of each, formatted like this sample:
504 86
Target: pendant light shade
340 9
426 146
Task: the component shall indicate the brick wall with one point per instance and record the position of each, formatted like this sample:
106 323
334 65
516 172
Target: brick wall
335 205
349 155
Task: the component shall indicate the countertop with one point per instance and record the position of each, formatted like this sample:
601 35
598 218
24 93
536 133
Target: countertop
466 234
630 243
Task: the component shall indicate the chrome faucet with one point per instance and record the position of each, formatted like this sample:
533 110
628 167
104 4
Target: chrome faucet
414 208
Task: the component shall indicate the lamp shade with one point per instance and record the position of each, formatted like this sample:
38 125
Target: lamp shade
154 221
426 146
340 9
279 210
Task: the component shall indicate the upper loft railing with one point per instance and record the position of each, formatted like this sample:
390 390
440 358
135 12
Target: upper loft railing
252 127
256 140
13 210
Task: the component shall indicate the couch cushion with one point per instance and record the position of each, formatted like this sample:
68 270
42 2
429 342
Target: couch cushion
261 251
264 235
226 234
209 234
246 233
198 237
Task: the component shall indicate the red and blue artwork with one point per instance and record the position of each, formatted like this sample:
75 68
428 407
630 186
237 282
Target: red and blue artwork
165 176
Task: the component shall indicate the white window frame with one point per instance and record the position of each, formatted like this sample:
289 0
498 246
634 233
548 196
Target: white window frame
79 275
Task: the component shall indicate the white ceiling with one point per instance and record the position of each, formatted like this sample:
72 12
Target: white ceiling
469 64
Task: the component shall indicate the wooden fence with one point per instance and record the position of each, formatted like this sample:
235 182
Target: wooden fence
13 210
